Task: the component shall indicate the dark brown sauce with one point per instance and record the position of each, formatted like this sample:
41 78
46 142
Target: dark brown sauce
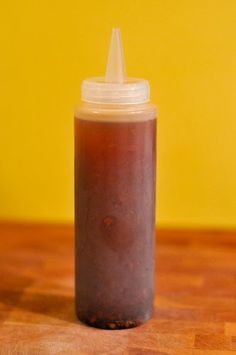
114 219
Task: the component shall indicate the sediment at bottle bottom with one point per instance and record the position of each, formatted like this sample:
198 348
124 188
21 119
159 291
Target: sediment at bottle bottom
113 324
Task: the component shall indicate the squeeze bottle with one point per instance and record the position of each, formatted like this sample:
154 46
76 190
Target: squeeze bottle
115 160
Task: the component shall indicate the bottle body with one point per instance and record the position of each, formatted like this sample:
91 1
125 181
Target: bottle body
115 159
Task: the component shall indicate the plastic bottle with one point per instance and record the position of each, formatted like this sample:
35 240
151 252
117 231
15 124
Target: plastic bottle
115 158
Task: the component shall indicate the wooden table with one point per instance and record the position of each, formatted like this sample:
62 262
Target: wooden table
195 303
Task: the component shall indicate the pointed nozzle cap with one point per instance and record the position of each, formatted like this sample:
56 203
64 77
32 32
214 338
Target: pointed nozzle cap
115 72
115 87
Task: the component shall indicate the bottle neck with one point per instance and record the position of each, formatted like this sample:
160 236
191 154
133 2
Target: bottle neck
116 106
116 112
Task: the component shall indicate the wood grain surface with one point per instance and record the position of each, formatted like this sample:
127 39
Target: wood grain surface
195 303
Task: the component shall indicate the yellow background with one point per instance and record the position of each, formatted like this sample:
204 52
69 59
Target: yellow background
187 49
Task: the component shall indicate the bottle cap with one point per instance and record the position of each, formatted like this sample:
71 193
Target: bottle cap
115 87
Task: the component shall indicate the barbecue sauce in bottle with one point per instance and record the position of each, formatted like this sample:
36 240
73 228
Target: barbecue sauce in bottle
115 164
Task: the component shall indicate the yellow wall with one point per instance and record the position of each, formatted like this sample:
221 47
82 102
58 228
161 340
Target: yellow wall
187 49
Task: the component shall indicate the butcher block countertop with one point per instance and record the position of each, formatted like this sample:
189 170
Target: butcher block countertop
195 302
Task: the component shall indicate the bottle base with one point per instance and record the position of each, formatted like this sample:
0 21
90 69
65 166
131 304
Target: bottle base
112 324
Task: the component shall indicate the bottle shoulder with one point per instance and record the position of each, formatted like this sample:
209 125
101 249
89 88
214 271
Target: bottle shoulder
116 112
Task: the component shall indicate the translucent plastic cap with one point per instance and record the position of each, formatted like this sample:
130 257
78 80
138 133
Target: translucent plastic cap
115 87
